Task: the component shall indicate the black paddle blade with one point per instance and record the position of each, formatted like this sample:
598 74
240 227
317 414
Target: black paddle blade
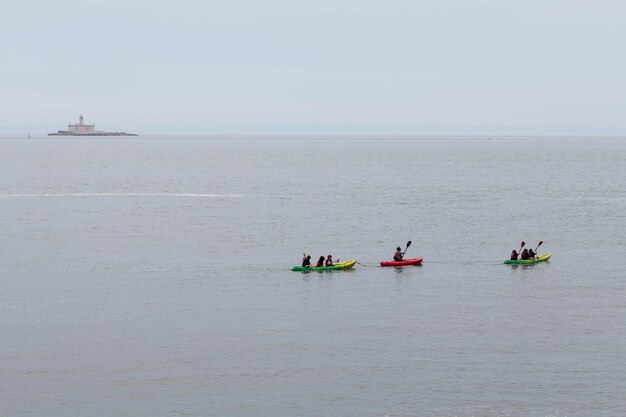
540 243
523 244
408 243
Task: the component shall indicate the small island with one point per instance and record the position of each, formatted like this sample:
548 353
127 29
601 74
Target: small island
81 129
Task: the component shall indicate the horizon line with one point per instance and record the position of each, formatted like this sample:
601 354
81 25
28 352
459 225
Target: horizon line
350 134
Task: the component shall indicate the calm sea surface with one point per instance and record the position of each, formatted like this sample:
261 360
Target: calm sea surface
150 276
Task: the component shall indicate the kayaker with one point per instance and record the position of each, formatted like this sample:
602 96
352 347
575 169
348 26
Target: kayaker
514 255
320 262
531 253
329 260
525 255
398 255
306 261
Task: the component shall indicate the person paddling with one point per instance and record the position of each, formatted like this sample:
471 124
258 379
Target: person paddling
329 260
320 262
525 255
531 254
514 255
306 260
398 255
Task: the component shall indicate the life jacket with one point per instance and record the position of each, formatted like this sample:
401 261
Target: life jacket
514 256
525 255
397 256
329 262
320 263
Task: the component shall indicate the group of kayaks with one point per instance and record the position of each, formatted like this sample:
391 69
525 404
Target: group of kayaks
349 264
408 262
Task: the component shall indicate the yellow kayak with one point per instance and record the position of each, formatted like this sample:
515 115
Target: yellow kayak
541 258
340 265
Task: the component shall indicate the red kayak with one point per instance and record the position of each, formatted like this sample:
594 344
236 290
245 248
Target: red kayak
414 261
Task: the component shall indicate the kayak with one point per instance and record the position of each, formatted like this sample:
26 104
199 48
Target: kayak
414 261
538 259
340 265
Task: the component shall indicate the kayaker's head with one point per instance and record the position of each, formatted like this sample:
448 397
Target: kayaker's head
398 249
322 258
525 251
308 257
329 257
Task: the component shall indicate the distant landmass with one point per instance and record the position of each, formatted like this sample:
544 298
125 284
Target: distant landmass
81 129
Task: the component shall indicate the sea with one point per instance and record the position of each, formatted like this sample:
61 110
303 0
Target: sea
150 276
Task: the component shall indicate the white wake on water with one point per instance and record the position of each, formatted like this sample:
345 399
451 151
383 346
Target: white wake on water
119 195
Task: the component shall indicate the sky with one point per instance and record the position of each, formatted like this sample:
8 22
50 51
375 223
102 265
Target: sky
351 66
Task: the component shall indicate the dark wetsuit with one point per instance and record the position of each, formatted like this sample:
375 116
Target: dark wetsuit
306 263
398 256
514 256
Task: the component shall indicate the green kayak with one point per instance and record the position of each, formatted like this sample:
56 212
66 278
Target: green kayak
538 259
335 267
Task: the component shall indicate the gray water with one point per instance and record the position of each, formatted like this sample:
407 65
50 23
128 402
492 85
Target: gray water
150 277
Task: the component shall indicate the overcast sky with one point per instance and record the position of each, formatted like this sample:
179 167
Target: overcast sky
353 66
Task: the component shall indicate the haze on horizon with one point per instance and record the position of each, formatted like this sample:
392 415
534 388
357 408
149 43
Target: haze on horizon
278 66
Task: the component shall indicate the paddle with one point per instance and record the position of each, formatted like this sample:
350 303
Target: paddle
540 243
407 246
